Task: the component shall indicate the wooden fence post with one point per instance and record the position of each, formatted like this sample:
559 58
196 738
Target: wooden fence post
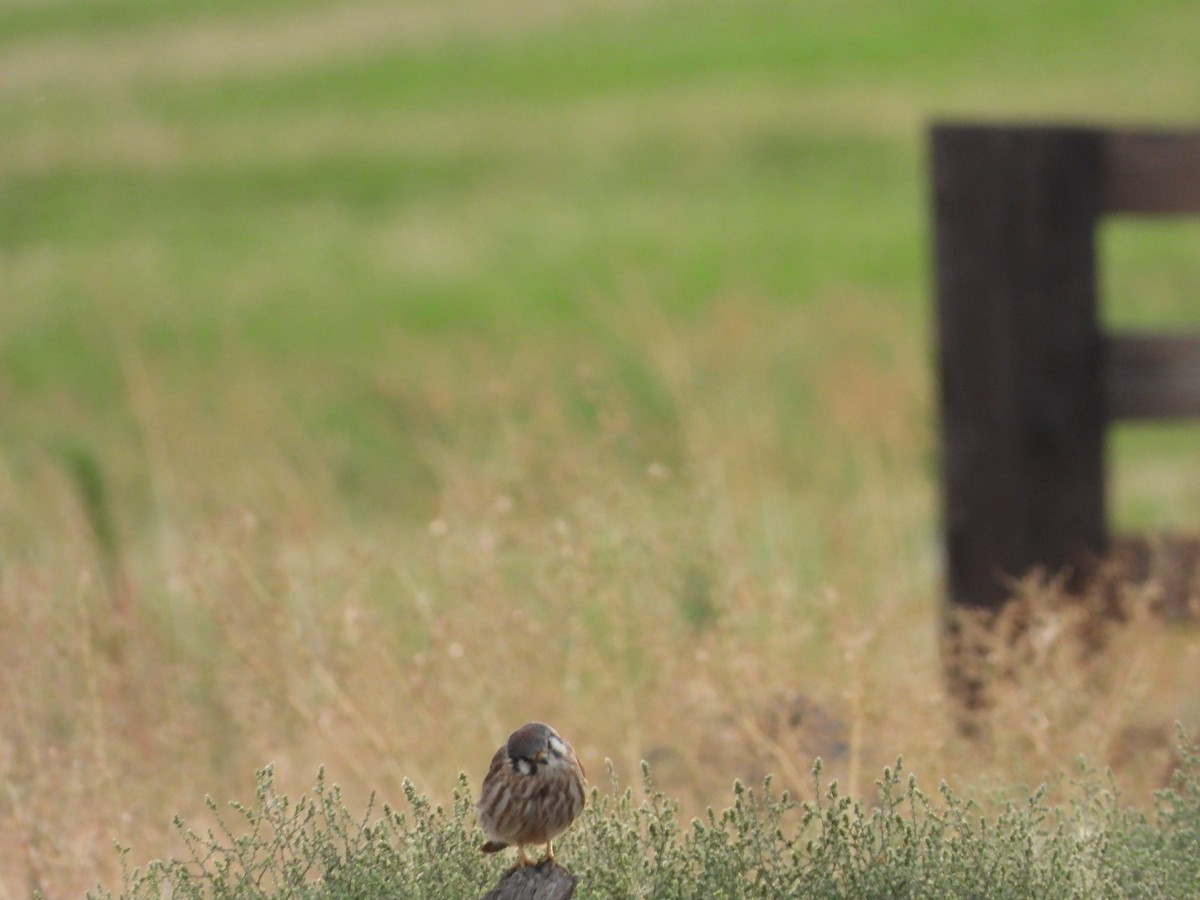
545 881
1022 404
1020 360
1028 379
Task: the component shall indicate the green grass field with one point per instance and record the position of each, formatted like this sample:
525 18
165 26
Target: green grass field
378 376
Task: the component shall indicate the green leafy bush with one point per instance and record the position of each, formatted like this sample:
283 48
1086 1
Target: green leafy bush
906 843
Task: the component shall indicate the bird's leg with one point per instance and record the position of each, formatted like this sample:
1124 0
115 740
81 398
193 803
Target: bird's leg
522 857
549 852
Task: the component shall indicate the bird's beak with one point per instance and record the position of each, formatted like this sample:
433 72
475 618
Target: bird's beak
541 757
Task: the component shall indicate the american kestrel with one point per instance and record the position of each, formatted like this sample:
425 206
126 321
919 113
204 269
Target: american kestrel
534 789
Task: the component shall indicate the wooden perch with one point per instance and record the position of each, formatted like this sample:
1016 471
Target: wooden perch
545 881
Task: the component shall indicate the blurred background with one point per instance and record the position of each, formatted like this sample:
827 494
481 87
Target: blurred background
378 376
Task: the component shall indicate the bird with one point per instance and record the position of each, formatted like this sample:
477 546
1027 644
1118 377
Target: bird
534 789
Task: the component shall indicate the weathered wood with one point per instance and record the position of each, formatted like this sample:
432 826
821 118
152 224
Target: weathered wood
1028 382
1167 566
545 881
1147 172
1022 408
1152 376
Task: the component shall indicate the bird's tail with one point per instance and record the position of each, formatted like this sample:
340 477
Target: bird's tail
492 847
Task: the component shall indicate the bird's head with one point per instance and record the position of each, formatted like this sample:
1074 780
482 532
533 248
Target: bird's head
534 747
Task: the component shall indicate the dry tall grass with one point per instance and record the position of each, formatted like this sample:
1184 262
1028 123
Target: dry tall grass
709 544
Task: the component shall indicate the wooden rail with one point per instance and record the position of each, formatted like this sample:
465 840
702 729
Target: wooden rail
1148 172
1152 376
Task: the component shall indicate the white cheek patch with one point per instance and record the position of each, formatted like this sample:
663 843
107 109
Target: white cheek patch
526 766
557 747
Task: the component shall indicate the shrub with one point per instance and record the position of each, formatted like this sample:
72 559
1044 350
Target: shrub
906 843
